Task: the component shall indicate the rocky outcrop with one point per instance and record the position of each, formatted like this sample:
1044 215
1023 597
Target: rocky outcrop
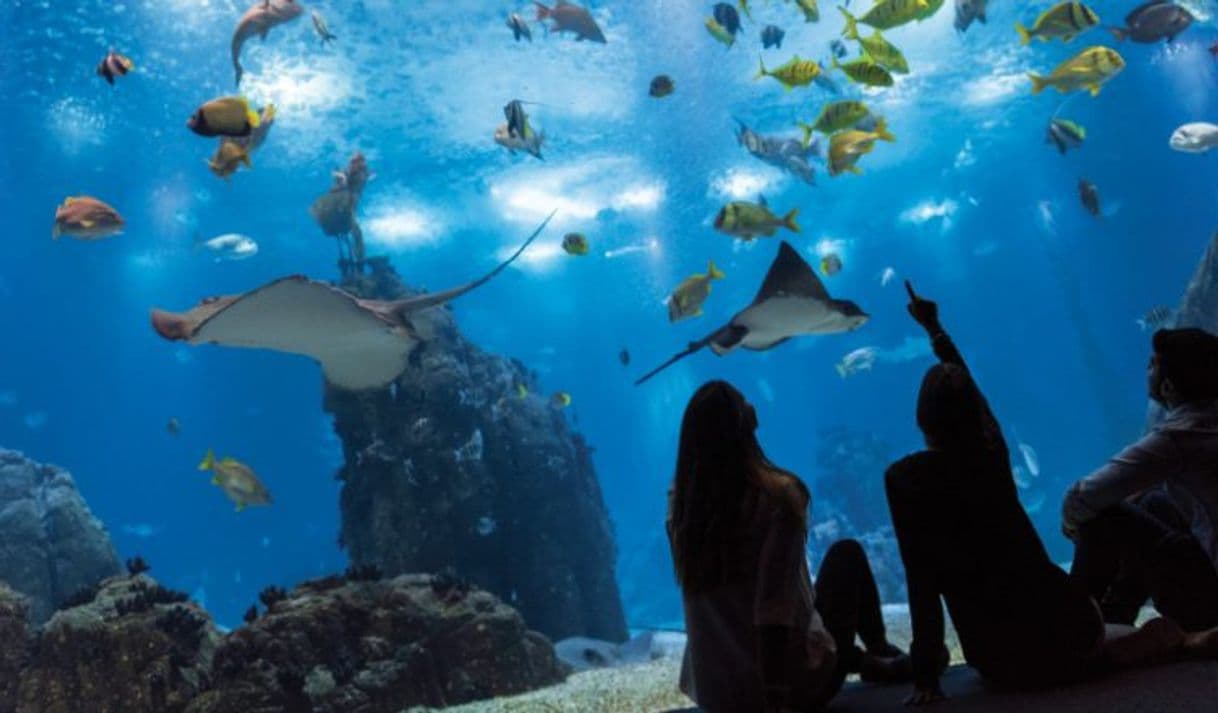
16 637
462 466
1200 305
347 645
134 647
51 546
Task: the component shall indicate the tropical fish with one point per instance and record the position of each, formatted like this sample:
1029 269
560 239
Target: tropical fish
569 17
517 134
857 361
257 22
228 158
237 480
865 71
86 218
744 7
882 51
1065 134
1088 70
114 65
969 10
661 86
772 36
560 400
932 6
847 147
519 27
624 357
795 73
1197 137
836 117
1090 196
686 301
727 17
575 244
1063 21
1154 21
321 28
830 265
522 391
810 9
789 154
887 14
230 246
1157 318
747 221
719 32
226 116
173 426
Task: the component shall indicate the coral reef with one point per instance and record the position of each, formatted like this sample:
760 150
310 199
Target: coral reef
16 638
454 468
51 546
340 645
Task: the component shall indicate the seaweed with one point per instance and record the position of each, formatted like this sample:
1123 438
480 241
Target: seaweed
183 625
82 596
137 566
449 587
271 596
363 573
147 596
251 614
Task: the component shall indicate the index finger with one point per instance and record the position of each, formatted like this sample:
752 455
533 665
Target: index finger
909 288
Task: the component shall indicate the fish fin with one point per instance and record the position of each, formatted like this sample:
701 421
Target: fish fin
841 370
543 12
1038 83
1025 37
981 16
56 231
881 130
715 273
1094 89
208 461
852 27
855 170
789 220
240 507
251 117
87 223
1120 33
215 480
760 72
245 158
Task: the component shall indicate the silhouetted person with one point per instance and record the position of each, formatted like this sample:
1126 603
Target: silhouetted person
1145 525
762 637
965 539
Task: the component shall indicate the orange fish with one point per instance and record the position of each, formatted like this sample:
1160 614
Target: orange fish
569 17
86 218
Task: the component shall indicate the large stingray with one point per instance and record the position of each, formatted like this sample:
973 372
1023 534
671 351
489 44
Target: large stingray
792 302
360 344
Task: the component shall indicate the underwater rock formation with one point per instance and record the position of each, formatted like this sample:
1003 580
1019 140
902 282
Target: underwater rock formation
1199 308
455 468
135 647
338 645
51 546
16 638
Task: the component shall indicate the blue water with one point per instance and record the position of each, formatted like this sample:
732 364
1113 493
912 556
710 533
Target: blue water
970 203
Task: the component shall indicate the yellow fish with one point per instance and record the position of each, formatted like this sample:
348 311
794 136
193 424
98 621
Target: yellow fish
686 301
887 14
228 158
237 480
810 9
847 147
865 71
835 117
795 73
1088 70
560 400
1063 21
882 51
719 32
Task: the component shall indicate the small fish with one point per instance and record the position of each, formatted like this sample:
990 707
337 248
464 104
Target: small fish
519 27
661 86
486 526
810 9
321 28
719 32
856 361
865 71
1157 318
886 14
624 357
237 480
836 117
1089 70
847 147
1030 459
226 116
517 119
575 244
1065 134
838 48
727 17
772 36
1197 137
882 51
744 7
686 301
230 246
747 221
560 400
569 17
830 265
1064 21
173 426
530 142
522 391
1090 197
969 10
229 156
887 276
1154 21
114 65
86 218
796 72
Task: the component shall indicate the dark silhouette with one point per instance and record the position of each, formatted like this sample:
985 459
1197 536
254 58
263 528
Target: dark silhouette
965 539
1144 525
761 637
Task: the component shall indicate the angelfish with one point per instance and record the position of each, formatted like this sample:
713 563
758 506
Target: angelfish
258 21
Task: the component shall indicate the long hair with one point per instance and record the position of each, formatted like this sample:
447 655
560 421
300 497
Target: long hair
952 412
720 468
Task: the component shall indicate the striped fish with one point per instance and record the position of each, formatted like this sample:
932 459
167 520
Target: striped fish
836 117
1063 21
883 52
887 14
865 71
1087 70
795 73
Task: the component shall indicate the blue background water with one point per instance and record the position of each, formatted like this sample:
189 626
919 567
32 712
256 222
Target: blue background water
970 203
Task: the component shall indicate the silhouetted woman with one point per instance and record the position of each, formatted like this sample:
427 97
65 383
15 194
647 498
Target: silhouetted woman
761 637
965 538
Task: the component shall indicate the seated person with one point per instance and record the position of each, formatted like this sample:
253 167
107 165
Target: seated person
762 637
1144 524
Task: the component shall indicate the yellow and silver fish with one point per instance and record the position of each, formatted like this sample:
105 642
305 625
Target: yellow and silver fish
887 14
795 73
865 71
237 480
882 51
1063 21
847 147
686 301
1089 70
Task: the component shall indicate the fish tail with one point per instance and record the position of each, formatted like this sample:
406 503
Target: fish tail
715 273
56 231
1025 37
760 72
245 159
251 116
789 220
808 130
543 12
881 130
841 370
1038 83
269 110
1120 33
852 26
209 460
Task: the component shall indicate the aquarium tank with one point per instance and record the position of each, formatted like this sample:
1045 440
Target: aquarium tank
341 291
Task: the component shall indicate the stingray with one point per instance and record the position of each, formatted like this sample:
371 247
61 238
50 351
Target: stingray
792 302
360 344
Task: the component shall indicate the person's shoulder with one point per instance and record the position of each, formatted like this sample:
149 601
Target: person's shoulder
915 462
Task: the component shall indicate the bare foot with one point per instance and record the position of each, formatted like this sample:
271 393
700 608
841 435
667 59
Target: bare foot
1202 644
1155 642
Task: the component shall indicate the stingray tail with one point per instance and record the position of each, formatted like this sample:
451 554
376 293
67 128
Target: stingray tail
676 358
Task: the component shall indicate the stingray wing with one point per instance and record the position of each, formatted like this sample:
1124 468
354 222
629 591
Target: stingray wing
791 276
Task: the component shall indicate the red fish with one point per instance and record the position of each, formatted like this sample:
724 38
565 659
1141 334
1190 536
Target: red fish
569 17
86 218
257 21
